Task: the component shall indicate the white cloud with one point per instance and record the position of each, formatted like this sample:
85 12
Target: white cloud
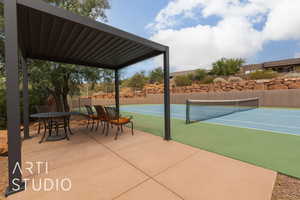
233 36
297 55
283 21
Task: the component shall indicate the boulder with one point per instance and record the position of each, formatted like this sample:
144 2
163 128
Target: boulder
294 85
277 87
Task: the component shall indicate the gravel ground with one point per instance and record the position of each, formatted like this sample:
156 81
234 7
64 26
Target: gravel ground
286 188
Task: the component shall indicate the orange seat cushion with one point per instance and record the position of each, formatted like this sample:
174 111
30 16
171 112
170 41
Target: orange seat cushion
123 120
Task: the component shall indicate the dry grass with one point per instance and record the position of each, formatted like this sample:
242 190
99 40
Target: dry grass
286 188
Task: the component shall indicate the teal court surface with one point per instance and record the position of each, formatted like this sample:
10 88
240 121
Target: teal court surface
266 137
277 120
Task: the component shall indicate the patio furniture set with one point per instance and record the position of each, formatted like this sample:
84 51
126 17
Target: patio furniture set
105 116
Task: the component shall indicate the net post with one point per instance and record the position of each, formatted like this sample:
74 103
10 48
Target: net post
187 117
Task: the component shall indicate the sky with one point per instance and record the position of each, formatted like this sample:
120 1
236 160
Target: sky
199 32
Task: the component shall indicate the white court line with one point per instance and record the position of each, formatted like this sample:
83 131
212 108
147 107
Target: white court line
252 122
265 114
258 129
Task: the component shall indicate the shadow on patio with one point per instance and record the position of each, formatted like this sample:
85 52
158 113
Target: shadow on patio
142 166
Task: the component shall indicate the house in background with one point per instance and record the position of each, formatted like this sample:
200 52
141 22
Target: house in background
281 66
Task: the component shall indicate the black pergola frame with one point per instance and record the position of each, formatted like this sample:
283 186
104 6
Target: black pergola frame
15 54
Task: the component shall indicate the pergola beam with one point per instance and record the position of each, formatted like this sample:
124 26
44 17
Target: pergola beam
12 97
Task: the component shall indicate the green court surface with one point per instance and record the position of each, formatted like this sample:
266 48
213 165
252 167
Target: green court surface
278 152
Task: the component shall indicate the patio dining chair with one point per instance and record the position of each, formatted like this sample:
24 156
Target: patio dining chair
91 116
102 117
116 119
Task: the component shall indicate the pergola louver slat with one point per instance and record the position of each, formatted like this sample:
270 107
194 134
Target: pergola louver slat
102 41
82 47
92 45
109 50
79 39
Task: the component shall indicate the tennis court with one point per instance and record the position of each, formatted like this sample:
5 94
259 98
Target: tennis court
266 137
276 120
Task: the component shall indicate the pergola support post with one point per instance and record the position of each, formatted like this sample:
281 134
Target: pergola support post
167 107
117 91
13 98
25 98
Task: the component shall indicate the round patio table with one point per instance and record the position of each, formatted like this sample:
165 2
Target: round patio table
48 118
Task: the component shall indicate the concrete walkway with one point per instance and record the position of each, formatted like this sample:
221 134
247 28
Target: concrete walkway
139 167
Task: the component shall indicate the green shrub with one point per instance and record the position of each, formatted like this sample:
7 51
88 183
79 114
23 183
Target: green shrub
266 74
208 80
200 75
137 81
183 80
292 75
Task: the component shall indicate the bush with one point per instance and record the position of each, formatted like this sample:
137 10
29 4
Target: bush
292 75
138 81
266 74
200 74
208 80
226 67
183 80
220 80
235 79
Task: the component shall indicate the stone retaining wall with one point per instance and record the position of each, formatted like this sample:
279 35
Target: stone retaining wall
273 98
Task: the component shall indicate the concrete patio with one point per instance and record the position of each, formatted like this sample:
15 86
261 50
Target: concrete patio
142 166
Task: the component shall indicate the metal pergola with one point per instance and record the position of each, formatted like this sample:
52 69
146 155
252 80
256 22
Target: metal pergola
37 30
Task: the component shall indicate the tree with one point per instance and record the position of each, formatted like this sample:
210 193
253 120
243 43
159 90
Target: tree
156 76
226 67
90 8
137 81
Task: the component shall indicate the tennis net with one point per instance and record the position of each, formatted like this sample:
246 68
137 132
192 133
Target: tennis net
199 110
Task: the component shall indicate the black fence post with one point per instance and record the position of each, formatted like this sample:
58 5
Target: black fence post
187 114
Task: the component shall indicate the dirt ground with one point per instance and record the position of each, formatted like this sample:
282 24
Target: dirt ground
286 188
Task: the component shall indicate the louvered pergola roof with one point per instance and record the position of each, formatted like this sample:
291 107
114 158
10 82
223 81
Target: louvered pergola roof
49 33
